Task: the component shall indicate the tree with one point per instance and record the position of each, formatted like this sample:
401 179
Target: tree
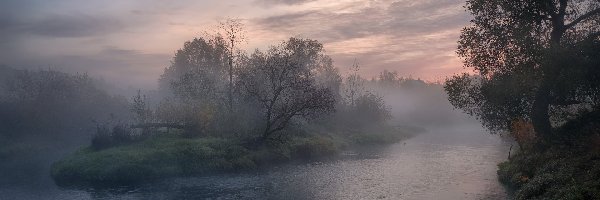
371 109
389 79
140 108
233 30
282 81
354 84
533 59
202 60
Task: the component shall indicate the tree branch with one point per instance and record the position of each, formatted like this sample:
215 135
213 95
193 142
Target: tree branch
582 18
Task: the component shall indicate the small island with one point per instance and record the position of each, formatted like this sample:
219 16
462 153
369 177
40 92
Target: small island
222 110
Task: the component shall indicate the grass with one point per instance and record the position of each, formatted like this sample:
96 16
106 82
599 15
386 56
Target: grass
568 170
171 155
168 156
559 173
153 158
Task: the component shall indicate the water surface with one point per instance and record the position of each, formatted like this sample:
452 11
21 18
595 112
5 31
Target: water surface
444 163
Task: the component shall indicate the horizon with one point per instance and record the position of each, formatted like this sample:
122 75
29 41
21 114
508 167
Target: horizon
130 43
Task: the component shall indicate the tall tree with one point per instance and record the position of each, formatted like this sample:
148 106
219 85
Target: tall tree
532 57
233 30
283 82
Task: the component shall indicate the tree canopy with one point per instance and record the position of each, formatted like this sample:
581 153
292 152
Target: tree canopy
283 81
535 60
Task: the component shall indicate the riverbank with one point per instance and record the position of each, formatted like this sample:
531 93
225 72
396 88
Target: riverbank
566 170
170 155
558 173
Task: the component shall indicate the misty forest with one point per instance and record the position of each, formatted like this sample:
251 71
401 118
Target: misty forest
476 99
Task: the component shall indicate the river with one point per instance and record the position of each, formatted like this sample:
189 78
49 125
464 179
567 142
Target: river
449 163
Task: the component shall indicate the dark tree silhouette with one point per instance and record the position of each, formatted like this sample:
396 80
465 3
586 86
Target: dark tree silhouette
282 81
533 59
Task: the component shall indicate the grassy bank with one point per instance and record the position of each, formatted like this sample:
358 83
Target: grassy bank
569 170
172 155
559 173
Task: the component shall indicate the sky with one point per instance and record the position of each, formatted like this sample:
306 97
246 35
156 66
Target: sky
129 43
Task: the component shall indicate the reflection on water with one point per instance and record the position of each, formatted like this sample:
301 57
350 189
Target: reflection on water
441 164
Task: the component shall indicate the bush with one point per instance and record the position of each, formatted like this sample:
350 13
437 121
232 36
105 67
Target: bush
119 135
313 148
569 168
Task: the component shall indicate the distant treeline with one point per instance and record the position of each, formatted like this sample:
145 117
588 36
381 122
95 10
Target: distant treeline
53 104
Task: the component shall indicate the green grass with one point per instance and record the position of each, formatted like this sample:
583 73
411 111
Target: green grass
168 156
171 155
154 158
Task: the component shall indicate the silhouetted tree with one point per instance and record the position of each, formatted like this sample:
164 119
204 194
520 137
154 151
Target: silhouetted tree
233 30
282 81
532 58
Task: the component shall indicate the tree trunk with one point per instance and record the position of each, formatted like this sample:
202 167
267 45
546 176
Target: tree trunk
539 116
268 125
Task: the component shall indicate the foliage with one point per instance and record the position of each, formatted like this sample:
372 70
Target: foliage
388 79
372 108
51 102
140 108
523 133
534 59
560 173
354 84
106 137
205 58
171 155
233 30
313 148
282 82
565 171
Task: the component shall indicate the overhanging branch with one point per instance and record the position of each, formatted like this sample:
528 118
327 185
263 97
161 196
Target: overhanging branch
582 18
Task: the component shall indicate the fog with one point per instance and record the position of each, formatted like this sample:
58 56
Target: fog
71 110
222 113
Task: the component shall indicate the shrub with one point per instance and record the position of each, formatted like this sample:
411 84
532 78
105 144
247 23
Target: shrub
523 133
118 135
313 148
557 173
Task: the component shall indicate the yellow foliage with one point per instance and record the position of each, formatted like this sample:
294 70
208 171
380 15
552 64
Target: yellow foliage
523 179
522 131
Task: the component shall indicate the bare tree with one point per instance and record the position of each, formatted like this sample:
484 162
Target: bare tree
233 30
140 108
354 84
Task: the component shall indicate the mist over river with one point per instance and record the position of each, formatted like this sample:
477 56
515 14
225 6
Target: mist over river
452 162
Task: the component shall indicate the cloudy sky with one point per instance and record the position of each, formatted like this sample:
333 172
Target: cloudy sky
129 43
